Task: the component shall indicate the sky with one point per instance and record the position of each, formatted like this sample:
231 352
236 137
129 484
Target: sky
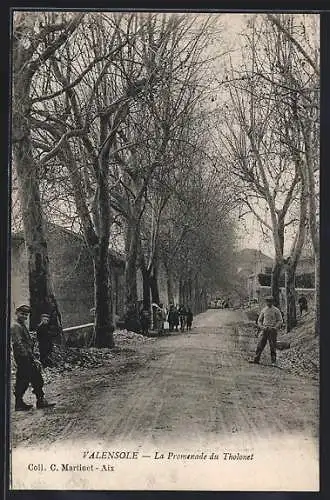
249 232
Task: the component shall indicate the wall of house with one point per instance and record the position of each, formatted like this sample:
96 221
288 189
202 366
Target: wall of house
72 273
306 265
71 269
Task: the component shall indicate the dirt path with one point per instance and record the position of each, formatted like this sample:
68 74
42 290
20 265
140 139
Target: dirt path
180 386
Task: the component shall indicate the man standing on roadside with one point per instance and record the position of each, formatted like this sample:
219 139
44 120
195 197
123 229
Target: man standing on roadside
45 341
269 321
28 368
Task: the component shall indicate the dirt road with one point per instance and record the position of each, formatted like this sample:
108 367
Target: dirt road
182 385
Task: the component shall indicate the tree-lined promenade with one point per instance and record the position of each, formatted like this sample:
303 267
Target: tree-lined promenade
116 130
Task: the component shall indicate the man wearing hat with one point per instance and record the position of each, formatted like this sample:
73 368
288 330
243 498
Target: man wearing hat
269 321
28 369
44 340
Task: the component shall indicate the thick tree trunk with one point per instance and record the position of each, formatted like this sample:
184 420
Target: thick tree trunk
310 168
170 286
131 284
153 281
291 313
189 294
146 289
42 298
204 300
185 293
197 297
103 299
290 293
131 269
154 287
132 250
25 64
275 281
180 291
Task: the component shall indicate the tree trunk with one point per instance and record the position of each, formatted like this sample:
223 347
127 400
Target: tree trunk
170 287
197 297
189 293
131 268
204 300
132 251
180 291
24 66
103 298
291 313
275 281
132 321
154 287
146 289
290 293
154 294
313 226
185 293
42 296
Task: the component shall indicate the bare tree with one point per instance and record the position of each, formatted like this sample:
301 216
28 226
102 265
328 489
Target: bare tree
80 122
304 77
265 145
36 38
150 140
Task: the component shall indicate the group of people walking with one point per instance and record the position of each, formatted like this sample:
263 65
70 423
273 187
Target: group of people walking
178 317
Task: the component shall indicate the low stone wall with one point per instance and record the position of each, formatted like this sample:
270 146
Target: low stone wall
79 336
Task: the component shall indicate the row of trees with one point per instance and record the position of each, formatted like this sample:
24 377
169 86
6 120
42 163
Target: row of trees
109 128
269 138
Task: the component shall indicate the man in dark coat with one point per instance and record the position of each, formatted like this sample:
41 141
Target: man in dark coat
28 368
183 316
145 321
44 336
171 318
190 318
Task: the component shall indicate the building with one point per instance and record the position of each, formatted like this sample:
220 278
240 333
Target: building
305 266
71 268
72 273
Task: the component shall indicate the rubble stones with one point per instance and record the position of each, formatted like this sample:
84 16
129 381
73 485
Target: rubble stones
70 358
302 358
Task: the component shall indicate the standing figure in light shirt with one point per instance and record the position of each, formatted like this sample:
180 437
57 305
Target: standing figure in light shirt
269 321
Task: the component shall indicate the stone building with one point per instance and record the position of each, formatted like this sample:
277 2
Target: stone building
71 269
72 273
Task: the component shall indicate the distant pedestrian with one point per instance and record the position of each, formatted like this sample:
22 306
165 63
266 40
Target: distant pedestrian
176 319
171 318
145 321
161 316
303 305
183 317
28 368
190 318
55 320
269 321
